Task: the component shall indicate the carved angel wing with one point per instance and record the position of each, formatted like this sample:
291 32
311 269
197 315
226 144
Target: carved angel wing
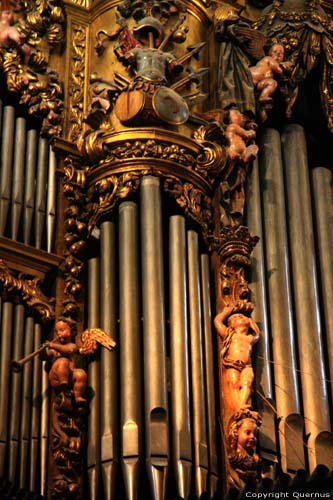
253 40
94 336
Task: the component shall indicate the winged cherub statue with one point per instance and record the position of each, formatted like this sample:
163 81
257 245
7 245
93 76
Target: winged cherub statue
62 353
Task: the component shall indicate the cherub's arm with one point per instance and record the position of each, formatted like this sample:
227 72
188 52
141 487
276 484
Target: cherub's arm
66 349
241 132
276 67
219 320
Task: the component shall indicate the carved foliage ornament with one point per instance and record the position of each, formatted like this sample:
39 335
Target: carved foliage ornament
106 194
26 68
28 290
76 226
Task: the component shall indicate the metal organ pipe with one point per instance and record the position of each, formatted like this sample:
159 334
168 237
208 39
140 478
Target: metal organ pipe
8 131
40 202
280 296
210 375
16 403
35 412
130 349
94 424
179 341
156 402
44 429
323 204
258 284
262 350
29 184
6 331
51 201
314 391
18 176
199 416
108 368
26 404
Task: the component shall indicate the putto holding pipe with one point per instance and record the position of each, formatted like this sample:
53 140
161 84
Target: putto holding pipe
62 352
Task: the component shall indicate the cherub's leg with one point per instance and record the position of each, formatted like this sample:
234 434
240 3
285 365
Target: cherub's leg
246 380
233 382
267 87
250 153
79 385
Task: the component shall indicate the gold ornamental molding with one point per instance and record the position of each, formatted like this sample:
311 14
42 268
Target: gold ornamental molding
134 149
189 170
76 86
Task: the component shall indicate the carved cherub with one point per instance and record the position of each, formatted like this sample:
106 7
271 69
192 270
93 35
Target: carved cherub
242 442
9 35
264 71
239 132
63 351
239 335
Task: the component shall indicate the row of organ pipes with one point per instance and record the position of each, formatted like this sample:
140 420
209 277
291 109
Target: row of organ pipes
166 413
154 400
291 208
24 405
27 182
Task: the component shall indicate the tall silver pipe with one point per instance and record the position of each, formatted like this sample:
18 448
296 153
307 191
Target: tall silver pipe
16 384
258 284
262 352
199 417
51 201
8 131
26 404
316 411
94 425
156 402
179 341
6 334
279 287
130 349
29 184
109 372
35 412
18 176
41 180
323 198
211 377
44 430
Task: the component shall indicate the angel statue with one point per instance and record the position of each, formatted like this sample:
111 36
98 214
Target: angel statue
62 352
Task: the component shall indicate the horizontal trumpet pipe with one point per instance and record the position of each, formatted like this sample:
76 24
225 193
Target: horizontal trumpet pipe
18 364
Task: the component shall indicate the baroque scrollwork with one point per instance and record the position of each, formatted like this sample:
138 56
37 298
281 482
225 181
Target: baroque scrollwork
41 24
105 194
196 204
76 220
77 81
28 289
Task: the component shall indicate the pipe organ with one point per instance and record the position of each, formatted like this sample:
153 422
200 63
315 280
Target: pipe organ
169 217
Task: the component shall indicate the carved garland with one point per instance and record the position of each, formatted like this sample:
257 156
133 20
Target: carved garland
76 86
